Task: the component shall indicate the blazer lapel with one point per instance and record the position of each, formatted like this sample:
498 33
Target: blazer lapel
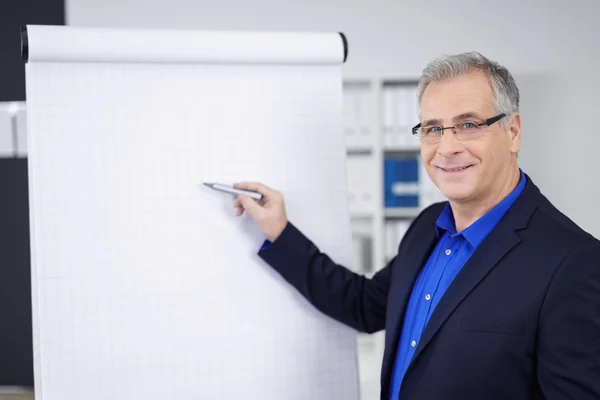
499 242
406 271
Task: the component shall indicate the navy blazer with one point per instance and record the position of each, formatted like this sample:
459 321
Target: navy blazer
521 320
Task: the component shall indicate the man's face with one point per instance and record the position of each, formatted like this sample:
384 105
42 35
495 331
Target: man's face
469 169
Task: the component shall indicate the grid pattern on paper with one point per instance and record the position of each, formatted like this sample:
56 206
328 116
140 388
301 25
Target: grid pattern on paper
145 283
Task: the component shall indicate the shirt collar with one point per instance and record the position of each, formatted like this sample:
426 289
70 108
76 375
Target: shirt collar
478 231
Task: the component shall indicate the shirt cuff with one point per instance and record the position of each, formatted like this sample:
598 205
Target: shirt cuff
265 245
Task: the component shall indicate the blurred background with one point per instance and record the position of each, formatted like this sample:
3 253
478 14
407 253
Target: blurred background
552 48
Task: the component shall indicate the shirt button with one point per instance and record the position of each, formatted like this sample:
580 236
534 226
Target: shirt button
448 252
413 343
427 297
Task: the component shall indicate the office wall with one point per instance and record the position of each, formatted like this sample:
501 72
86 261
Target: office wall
551 47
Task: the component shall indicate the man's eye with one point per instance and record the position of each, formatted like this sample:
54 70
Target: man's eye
469 125
433 129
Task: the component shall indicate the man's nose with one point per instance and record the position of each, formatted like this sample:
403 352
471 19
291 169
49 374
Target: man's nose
449 144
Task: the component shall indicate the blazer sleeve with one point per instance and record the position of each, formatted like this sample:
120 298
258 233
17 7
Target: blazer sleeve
333 289
569 328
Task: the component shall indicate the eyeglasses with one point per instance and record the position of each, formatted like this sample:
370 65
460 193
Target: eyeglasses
466 130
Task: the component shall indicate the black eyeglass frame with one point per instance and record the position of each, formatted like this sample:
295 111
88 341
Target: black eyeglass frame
487 122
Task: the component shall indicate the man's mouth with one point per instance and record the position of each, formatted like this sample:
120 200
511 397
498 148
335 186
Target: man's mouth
455 169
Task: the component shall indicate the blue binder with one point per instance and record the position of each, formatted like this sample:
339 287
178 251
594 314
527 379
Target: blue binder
401 182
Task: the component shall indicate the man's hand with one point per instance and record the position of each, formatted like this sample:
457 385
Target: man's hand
268 213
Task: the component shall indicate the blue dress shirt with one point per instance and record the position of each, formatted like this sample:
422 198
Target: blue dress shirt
450 254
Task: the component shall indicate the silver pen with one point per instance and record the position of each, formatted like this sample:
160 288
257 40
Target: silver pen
231 190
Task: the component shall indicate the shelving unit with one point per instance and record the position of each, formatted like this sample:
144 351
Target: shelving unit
401 212
379 113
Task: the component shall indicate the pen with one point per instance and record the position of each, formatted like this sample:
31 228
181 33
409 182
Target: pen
230 189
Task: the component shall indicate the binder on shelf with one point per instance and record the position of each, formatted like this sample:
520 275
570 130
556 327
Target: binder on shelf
401 182
348 113
367 255
401 106
364 114
389 116
394 232
357 117
387 111
362 245
360 172
391 243
413 108
399 114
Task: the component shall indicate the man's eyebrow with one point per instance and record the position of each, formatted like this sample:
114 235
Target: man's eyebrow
467 115
460 117
431 122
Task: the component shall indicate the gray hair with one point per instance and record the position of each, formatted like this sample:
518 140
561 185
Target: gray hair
505 92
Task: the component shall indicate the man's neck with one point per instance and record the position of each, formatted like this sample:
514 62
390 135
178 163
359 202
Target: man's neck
466 213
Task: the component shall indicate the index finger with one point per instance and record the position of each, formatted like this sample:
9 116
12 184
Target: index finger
255 186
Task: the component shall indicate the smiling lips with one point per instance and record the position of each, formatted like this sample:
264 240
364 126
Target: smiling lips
454 169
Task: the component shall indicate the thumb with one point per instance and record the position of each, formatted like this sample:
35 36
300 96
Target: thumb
250 205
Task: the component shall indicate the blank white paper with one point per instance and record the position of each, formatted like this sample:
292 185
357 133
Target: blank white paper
145 284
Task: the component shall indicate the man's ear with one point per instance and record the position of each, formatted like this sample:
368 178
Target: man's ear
514 129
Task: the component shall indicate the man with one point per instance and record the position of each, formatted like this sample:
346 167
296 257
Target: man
494 294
